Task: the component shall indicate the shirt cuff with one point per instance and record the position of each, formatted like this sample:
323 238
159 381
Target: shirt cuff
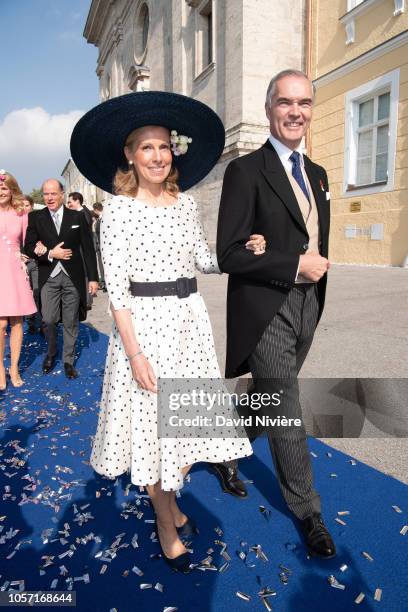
297 271
51 259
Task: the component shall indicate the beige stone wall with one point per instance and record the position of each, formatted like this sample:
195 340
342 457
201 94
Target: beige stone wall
273 39
327 148
371 29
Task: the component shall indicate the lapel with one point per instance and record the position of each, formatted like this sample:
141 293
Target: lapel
65 221
276 176
49 223
315 181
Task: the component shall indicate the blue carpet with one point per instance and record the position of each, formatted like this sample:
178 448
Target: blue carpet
61 525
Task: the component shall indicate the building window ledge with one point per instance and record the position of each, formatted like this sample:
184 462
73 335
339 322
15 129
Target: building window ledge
348 19
368 185
204 73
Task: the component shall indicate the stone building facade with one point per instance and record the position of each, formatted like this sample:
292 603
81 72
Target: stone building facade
75 181
221 52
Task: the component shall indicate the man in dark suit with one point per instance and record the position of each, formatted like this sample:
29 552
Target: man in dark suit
56 236
275 301
76 202
98 211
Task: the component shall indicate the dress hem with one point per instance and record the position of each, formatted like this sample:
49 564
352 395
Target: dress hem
177 488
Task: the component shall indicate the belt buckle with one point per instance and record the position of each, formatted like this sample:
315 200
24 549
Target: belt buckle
182 287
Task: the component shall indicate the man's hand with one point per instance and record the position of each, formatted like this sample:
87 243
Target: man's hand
40 248
313 266
59 253
93 287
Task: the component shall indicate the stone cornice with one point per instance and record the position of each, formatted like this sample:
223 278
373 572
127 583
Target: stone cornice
67 165
365 58
349 18
96 20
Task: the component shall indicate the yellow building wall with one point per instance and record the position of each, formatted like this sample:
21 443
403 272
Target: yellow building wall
375 26
327 148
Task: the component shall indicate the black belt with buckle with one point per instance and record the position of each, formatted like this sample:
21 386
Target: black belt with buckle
182 287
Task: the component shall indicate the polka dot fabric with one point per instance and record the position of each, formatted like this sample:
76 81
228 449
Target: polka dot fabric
143 243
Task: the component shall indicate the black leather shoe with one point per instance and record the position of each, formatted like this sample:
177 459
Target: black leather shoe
318 539
230 481
48 364
70 371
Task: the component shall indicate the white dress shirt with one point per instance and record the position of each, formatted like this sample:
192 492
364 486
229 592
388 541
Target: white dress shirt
284 153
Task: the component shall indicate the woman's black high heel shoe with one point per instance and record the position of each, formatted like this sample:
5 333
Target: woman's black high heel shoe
178 564
188 530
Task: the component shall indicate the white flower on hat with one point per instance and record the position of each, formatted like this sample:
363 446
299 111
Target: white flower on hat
179 143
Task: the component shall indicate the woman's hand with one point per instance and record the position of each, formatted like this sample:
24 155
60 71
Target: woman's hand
256 243
24 258
143 373
40 249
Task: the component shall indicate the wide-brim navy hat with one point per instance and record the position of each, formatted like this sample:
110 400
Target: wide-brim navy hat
99 137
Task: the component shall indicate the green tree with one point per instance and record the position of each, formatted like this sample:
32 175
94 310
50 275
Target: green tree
37 196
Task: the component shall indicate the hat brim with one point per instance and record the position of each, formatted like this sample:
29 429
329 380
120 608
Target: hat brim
99 137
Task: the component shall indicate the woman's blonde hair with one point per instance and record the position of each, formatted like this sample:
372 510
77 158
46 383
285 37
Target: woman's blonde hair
17 196
126 182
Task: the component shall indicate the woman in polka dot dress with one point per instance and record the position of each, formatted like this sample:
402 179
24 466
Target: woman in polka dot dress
151 234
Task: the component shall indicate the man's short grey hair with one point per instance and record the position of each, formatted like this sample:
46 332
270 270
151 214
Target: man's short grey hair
282 74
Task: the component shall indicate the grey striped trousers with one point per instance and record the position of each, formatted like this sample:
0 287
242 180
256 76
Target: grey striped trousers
275 364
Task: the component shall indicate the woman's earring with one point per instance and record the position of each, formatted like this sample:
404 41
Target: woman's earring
130 162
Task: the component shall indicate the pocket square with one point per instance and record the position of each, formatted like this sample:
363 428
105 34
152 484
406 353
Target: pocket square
327 195
74 226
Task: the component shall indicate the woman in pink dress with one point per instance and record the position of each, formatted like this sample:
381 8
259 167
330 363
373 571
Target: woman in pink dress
16 298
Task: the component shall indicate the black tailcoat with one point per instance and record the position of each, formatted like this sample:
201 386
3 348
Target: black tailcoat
76 235
257 197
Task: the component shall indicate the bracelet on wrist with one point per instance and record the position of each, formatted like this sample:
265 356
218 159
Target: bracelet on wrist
130 357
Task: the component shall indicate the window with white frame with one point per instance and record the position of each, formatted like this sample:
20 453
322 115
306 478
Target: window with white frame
372 139
204 36
371 129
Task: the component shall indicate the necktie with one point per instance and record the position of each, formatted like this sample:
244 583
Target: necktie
57 223
297 173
